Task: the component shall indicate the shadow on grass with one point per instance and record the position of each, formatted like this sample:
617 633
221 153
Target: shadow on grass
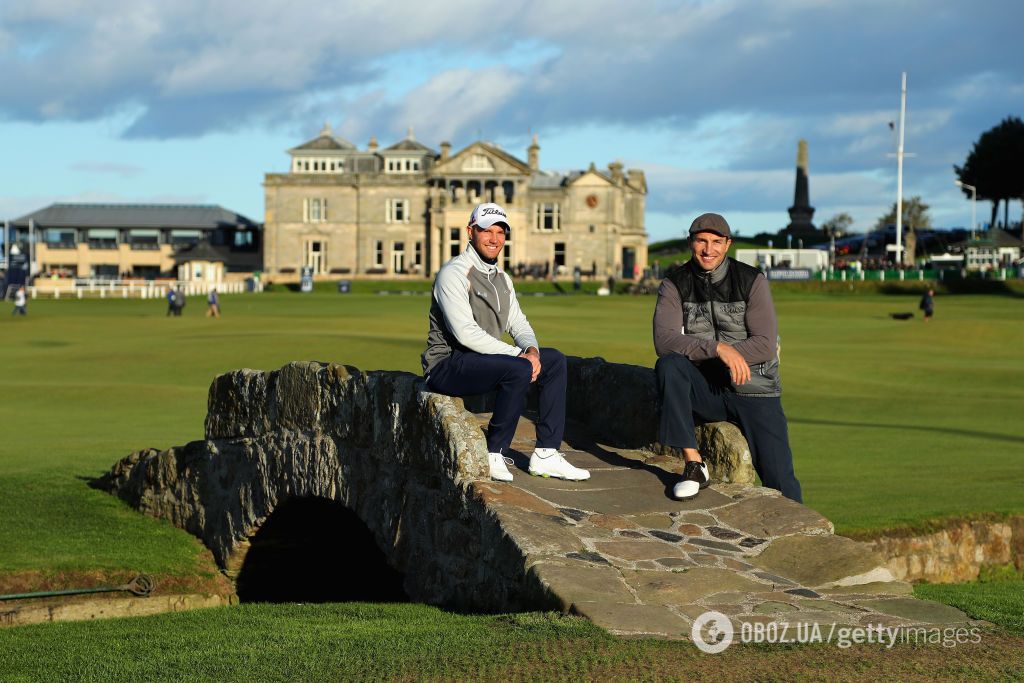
996 287
945 430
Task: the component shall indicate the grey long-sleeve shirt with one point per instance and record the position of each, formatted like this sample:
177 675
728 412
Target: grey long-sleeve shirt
474 305
762 326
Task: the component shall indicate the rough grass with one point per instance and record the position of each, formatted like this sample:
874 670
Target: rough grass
414 643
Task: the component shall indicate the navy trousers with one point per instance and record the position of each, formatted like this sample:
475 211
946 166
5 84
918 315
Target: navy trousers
465 373
686 394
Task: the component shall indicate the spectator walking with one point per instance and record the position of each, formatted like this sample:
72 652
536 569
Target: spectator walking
212 304
19 302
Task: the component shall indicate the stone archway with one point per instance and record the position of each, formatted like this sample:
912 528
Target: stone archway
316 550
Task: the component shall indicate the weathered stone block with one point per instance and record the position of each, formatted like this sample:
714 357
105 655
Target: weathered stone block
237 405
822 561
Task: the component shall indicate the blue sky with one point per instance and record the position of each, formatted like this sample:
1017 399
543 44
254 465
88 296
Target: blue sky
194 101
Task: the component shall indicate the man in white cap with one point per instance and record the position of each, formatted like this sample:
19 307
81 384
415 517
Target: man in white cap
474 305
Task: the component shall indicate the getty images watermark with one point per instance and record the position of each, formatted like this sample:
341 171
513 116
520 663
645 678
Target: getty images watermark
713 632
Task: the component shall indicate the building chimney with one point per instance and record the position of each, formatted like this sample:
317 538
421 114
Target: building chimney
446 150
616 170
533 154
636 178
373 144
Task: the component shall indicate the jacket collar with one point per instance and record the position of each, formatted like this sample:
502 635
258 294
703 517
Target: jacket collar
478 263
717 275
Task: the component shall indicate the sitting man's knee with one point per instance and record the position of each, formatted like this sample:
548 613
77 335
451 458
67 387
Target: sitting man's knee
521 370
552 357
671 363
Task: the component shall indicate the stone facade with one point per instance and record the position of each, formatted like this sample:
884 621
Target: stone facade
403 210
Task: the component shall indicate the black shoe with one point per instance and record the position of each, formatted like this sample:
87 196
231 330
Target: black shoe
695 478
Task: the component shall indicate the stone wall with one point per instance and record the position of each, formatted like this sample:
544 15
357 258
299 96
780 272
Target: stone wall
620 404
407 462
954 553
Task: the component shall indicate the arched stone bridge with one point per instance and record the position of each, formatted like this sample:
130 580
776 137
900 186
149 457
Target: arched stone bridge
413 466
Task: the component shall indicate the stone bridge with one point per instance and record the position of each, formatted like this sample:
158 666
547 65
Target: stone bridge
412 465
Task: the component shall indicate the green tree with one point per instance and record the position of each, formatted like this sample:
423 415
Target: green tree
838 224
994 166
915 216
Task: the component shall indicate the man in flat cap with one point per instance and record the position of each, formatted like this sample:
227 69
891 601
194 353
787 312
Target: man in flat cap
473 306
716 337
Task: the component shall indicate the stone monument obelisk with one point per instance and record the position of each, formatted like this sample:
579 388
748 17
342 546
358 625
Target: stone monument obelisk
801 212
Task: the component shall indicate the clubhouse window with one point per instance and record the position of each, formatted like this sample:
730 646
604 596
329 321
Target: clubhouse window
456 247
397 211
315 210
548 217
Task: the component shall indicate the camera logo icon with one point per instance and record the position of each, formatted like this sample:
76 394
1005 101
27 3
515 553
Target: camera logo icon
712 632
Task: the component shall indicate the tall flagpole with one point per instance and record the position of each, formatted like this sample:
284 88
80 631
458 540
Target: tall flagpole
899 175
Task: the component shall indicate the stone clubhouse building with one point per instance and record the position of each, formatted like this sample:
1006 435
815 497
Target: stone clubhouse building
402 210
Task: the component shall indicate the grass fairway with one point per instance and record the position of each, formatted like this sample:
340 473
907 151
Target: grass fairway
360 642
892 423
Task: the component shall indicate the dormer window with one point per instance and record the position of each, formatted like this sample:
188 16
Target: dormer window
318 166
402 165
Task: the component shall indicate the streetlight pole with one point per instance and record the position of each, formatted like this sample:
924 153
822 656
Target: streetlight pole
974 203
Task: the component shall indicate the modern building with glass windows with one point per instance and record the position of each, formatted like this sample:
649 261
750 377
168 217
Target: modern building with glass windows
402 210
202 243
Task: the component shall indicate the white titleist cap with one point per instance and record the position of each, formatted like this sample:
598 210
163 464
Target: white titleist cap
486 215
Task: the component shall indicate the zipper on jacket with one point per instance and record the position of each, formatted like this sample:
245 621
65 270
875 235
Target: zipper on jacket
711 305
497 297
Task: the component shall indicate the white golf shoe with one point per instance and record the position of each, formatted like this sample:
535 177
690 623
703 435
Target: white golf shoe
499 469
548 462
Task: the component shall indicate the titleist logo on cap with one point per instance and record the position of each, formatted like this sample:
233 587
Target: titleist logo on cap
486 215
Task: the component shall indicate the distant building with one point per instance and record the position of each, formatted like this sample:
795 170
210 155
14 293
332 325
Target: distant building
202 243
997 249
403 209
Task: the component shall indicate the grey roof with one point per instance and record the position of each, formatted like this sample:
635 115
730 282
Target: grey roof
551 180
325 141
201 251
547 181
185 216
995 237
409 145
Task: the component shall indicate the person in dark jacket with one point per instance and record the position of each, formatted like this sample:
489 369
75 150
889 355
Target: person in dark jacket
716 337
179 301
928 304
